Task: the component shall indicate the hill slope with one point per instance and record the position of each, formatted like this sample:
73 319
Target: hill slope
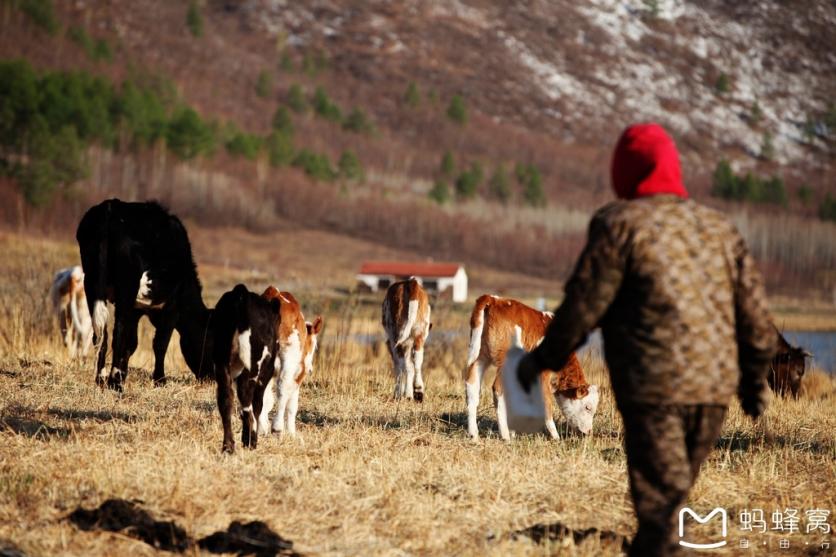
547 86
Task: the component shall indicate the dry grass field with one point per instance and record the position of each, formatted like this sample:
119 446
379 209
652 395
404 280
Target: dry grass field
367 476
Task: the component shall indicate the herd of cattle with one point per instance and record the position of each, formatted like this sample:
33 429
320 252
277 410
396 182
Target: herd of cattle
137 256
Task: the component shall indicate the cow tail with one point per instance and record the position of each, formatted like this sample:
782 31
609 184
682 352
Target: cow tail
77 325
477 323
412 311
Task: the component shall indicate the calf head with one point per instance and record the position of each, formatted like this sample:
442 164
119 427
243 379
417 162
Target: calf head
788 368
311 343
197 343
579 406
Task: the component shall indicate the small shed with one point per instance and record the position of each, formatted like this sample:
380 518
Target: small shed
443 279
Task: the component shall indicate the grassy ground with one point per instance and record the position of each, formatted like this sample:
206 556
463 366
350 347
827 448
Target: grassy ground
368 476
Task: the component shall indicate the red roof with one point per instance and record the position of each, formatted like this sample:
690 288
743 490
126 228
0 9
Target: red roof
399 269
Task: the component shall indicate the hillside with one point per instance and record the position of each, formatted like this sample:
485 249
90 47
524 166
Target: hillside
543 91
579 71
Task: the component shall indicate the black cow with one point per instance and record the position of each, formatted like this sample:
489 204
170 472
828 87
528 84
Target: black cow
244 329
138 256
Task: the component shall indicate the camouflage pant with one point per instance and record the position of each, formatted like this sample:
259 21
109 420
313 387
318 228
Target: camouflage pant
665 447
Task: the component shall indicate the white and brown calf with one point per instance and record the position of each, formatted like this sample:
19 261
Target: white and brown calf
406 320
493 323
296 342
69 303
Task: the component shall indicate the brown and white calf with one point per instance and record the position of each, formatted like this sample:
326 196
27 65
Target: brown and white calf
296 342
406 320
69 303
493 323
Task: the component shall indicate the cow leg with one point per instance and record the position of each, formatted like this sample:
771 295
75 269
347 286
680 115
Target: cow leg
163 327
76 341
284 384
258 408
418 362
281 410
292 408
101 354
246 391
499 403
501 414
472 385
65 323
269 400
548 399
124 345
99 332
63 316
224 383
84 343
409 365
398 358
85 335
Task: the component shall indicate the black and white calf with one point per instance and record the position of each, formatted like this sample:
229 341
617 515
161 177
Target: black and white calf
244 328
138 257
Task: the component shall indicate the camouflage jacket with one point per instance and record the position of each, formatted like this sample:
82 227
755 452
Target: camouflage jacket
679 301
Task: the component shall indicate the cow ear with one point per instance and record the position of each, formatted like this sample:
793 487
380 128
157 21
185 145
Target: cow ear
317 325
274 306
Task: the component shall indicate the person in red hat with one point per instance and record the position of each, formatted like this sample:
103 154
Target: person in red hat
682 311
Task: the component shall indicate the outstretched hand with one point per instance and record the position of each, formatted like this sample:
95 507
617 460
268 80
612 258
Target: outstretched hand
754 402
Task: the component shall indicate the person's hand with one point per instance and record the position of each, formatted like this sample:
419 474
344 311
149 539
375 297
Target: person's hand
528 371
754 402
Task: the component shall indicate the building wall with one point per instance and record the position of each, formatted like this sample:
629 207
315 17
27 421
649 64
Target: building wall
458 283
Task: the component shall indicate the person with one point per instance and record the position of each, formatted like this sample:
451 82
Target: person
682 311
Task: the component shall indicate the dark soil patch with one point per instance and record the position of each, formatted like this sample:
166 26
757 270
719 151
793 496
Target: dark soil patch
127 517
251 538
119 515
558 531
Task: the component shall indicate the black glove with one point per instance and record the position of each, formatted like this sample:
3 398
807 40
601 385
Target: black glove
753 401
528 371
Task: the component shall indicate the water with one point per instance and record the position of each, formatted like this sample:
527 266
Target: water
822 344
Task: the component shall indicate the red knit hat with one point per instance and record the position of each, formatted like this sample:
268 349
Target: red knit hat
646 163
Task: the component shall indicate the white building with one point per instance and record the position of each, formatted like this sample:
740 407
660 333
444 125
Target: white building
443 279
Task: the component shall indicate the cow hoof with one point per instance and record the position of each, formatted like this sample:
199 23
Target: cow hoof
419 396
228 448
160 381
115 385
